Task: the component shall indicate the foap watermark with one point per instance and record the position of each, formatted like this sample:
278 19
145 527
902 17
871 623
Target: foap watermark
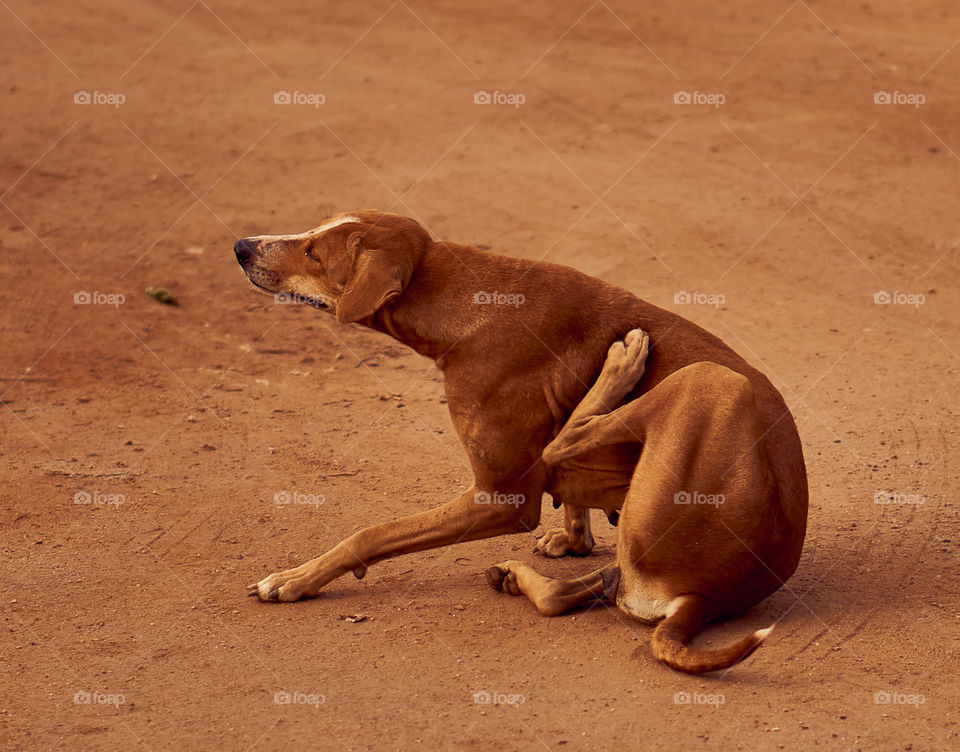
283 298
113 99
283 697
499 97
697 498
714 99
82 297
286 498
916 299
515 299
495 497
699 698
96 498
716 299
898 698
913 99
483 697
299 97
83 697
903 499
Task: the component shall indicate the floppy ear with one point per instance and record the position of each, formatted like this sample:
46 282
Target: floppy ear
383 262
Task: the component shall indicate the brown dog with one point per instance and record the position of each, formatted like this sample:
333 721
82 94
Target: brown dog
702 463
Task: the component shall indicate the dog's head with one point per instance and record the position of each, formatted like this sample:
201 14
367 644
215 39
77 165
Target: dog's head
350 265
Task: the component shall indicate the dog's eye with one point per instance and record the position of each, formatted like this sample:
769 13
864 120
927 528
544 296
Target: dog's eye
310 256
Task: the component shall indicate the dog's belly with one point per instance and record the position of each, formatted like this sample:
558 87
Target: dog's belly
598 479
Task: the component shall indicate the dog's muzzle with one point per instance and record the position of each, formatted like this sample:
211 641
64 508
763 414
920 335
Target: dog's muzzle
248 256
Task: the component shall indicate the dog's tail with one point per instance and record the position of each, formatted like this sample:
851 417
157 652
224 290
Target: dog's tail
684 620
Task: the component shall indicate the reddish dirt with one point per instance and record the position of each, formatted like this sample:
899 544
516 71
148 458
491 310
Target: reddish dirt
797 199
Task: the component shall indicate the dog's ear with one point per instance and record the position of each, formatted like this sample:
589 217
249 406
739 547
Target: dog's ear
384 260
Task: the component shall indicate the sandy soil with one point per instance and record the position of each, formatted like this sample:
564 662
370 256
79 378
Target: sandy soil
793 202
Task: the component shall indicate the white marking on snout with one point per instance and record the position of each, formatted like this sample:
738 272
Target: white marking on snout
331 223
325 227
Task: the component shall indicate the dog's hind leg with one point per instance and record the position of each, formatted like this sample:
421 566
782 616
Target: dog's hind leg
623 368
552 596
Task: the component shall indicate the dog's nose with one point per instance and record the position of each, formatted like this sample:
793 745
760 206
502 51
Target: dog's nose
244 250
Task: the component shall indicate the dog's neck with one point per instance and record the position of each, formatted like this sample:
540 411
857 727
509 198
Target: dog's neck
403 325
436 311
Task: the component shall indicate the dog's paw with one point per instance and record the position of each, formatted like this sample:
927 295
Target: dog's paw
502 578
282 587
626 362
558 542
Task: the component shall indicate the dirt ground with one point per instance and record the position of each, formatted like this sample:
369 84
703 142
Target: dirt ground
144 446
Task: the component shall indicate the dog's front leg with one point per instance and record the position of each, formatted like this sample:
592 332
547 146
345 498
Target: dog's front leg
574 538
471 516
